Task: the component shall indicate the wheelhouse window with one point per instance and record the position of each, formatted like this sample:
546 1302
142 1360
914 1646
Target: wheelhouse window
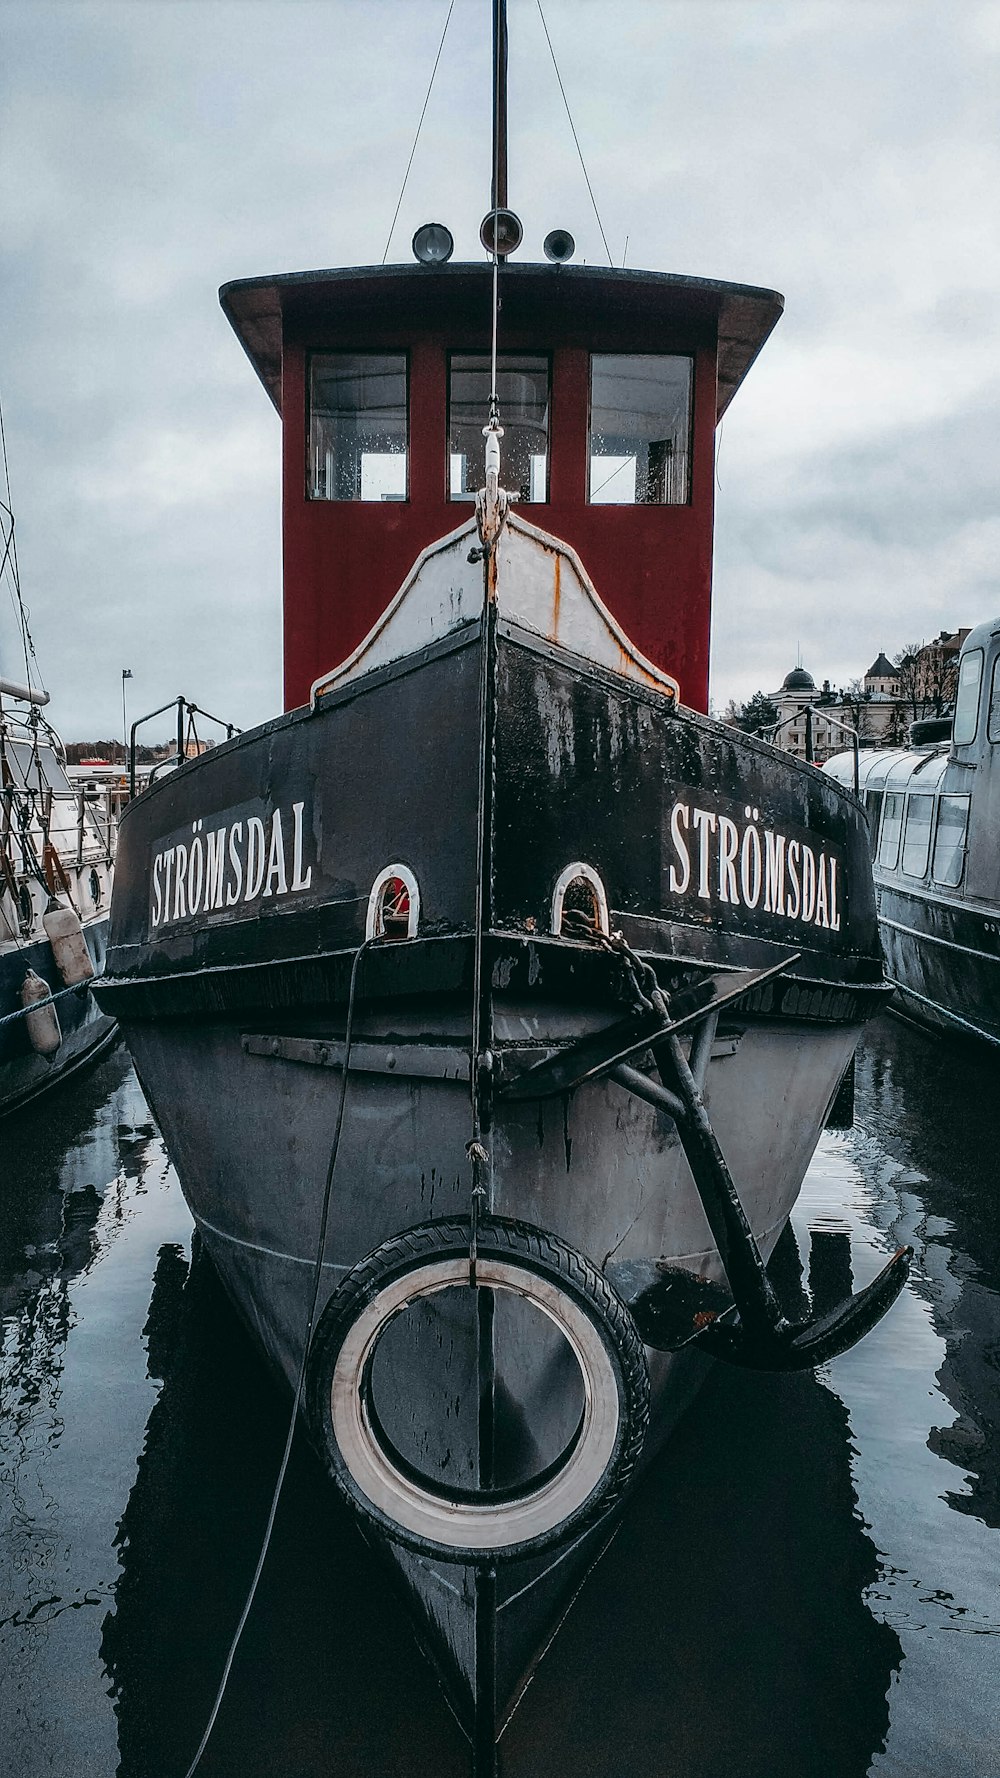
640 430
917 835
949 841
892 821
357 426
523 393
970 675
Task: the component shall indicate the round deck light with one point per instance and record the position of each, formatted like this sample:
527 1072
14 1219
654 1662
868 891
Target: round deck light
559 245
433 244
508 232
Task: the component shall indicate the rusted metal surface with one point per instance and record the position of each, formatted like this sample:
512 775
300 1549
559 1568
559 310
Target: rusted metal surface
537 581
406 1061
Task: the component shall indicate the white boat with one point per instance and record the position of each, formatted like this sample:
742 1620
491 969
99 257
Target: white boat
57 846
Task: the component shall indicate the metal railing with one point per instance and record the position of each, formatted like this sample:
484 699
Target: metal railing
100 808
187 734
770 730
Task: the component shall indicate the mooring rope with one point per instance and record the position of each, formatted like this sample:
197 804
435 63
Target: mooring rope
80 989
301 1377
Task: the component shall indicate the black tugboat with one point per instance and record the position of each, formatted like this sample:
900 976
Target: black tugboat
492 999
934 810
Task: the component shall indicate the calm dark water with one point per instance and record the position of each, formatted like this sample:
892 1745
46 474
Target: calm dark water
807 1583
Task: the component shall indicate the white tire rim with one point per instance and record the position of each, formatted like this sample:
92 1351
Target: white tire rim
469 1525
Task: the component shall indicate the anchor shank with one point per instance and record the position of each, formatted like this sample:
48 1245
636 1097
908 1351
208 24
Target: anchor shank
759 1309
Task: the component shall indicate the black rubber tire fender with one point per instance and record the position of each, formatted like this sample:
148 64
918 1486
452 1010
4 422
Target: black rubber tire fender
587 1480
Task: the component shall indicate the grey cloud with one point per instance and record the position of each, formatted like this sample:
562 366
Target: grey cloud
843 153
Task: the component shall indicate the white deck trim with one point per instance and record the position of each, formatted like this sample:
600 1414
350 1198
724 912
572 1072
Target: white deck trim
329 681
515 525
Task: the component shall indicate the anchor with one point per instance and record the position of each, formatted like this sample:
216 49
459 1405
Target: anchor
752 1330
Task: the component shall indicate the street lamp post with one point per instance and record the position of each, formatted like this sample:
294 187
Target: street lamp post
126 674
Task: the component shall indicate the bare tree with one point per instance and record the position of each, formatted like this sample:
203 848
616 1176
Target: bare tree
111 751
939 677
907 665
853 702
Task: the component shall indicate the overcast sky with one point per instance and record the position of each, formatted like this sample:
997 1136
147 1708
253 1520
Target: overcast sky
845 154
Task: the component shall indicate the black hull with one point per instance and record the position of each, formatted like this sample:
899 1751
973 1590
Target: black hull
943 958
235 1016
245 1185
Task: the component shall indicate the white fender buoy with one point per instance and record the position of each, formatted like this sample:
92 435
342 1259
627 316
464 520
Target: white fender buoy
424 1513
69 947
44 1030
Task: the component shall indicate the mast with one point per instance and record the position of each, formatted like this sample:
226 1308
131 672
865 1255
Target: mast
499 187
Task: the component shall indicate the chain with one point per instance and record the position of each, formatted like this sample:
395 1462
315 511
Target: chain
640 985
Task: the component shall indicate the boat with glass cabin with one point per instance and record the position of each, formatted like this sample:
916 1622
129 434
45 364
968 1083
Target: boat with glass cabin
934 810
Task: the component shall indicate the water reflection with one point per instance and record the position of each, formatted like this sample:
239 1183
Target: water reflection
328 1676
922 1391
728 1629
739 1576
75 1181
805 1584
929 1148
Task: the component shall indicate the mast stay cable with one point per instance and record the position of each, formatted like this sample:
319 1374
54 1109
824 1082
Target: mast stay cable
10 561
416 139
499 182
572 126
493 432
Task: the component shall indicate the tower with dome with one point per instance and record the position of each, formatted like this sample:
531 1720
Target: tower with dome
794 696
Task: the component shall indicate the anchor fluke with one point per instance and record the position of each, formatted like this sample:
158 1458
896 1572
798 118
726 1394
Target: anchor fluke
799 1346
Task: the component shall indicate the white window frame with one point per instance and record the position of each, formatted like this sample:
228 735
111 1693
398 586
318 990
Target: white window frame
563 881
405 875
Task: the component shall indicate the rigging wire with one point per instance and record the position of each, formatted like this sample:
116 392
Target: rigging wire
499 64
494 396
478 1155
572 126
301 1377
10 557
416 139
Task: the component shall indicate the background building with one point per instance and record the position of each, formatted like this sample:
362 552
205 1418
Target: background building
796 694
882 677
920 682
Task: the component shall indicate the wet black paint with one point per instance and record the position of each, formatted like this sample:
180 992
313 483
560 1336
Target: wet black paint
806 1584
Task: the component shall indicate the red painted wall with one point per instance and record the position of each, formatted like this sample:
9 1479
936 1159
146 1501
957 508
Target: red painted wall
343 561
